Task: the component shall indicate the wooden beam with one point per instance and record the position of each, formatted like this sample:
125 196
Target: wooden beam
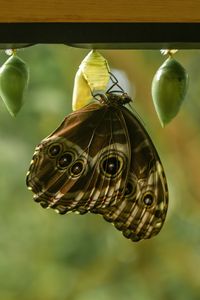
99 11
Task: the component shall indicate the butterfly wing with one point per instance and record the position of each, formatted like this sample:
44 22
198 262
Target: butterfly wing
83 165
102 160
141 212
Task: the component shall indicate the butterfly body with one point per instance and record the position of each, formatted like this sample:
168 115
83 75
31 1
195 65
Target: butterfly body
102 160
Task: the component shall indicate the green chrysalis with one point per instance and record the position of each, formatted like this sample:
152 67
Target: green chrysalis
13 81
169 87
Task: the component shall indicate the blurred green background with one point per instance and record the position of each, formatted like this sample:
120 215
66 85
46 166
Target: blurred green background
47 256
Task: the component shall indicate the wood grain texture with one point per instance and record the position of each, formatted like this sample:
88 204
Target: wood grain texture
99 11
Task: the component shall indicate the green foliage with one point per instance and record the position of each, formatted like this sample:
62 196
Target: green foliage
47 256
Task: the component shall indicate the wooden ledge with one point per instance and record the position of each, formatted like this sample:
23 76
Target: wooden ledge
103 35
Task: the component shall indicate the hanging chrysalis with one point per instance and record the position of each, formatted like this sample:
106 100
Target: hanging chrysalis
169 87
92 76
13 81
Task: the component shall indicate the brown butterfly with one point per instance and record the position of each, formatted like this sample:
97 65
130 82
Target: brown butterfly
102 160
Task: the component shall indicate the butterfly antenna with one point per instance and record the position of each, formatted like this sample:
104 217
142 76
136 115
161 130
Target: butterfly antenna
137 114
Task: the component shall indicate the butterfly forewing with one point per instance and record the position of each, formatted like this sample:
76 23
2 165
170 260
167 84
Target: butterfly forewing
83 165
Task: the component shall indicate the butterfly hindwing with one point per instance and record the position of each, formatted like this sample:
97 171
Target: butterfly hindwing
140 214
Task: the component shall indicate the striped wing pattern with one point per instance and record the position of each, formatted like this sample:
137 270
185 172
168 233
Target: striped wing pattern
101 160
141 212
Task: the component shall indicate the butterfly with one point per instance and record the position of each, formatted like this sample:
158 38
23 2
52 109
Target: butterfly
102 160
